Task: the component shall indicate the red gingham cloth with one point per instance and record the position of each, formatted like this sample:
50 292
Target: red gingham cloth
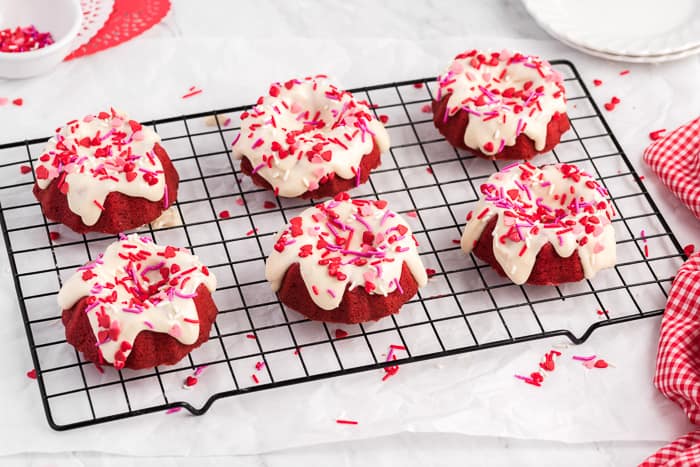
678 363
675 158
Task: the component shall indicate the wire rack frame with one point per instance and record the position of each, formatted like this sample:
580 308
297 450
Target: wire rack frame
466 307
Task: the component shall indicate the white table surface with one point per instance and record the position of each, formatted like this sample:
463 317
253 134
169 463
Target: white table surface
211 50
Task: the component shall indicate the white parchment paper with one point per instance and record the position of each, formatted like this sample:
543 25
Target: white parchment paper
473 394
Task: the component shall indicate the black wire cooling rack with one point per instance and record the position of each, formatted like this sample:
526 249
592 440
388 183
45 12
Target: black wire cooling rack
257 343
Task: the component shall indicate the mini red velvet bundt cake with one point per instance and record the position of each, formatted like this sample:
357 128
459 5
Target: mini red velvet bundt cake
104 173
139 305
309 139
346 261
542 225
501 105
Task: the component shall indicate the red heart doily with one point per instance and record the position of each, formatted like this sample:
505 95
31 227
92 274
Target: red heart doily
128 19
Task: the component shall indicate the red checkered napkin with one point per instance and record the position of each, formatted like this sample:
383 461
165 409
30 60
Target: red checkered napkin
678 361
676 160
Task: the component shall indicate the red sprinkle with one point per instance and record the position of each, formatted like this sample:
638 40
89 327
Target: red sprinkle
53 235
24 39
384 118
269 205
426 109
18 102
192 93
251 232
624 72
418 85
601 364
255 378
689 249
430 272
412 214
597 82
340 333
25 169
250 336
31 374
191 381
224 214
658 134
346 422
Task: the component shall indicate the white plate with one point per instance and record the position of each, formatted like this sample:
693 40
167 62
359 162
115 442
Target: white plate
636 29
633 58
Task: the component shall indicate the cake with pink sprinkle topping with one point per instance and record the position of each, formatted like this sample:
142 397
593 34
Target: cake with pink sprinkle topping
138 305
306 138
501 105
542 225
104 173
346 260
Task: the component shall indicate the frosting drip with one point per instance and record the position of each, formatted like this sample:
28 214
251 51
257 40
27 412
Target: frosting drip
137 286
505 94
98 155
556 204
305 132
346 243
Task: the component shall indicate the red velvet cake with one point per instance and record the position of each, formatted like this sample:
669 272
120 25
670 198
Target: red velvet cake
501 105
542 225
309 139
346 261
104 173
139 305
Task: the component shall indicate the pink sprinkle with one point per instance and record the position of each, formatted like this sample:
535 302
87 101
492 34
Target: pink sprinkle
240 202
173 410
426 109
259 365
251 232
193 93
412 214
583 359
331 293
198 371
149 324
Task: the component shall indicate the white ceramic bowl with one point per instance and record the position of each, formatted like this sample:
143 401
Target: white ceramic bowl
62 18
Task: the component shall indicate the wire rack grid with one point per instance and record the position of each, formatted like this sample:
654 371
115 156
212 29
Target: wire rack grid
257 343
